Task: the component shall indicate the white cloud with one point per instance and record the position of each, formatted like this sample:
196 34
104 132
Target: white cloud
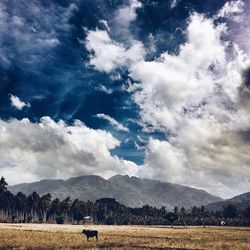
138 147
18 21
48 149
31 21
164 90
194 98
122 21
50 42
237 14
17 103
115 77
104 89
127 14
105 24
129 86
173 3
204 154
113 122
232 9
108 55
162 159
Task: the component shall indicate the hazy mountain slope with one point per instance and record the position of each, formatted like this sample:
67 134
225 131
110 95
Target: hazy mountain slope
242 201
90 187
163 194
131 191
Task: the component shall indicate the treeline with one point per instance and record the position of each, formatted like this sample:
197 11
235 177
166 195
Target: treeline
36 208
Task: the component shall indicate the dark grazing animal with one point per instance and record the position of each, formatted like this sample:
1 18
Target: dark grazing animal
90 233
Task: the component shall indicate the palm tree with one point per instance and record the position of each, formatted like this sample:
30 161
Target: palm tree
44 206
172 217
3 190
203 215
65 207
20 205
195 212
183 216
7 199
76 211
3 185
54 208
33 205
176 212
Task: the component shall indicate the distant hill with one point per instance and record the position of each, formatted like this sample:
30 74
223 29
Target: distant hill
241 201
130 191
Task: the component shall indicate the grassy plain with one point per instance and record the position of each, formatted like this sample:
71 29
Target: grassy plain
51 236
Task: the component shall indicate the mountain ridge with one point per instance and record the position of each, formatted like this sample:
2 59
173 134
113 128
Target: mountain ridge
130 191
241 201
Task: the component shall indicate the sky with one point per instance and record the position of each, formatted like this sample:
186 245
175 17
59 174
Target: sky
155 89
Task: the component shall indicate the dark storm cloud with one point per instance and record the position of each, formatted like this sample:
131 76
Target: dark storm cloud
246 77
245 135
244 88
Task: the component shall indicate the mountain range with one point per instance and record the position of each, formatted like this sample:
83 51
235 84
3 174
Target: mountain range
241 201
130 191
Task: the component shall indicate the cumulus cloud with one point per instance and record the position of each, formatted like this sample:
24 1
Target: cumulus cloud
204 155
48 149
17 103
108 55
194 97
125 15
199 99
113 122
232 9
164 90
122 20
237 14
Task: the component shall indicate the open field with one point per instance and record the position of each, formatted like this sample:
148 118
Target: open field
50 236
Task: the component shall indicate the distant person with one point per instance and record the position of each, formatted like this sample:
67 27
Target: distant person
90 233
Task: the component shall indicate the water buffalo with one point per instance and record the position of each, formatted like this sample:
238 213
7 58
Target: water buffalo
90 233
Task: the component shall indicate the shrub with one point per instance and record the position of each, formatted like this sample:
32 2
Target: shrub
59 220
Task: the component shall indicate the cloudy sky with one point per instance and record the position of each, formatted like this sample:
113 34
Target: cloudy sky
157 89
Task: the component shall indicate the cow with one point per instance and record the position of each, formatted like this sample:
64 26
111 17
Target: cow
90 233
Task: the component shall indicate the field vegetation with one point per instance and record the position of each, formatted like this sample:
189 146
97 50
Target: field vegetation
52 236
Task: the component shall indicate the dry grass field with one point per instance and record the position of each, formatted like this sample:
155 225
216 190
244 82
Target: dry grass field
48 236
